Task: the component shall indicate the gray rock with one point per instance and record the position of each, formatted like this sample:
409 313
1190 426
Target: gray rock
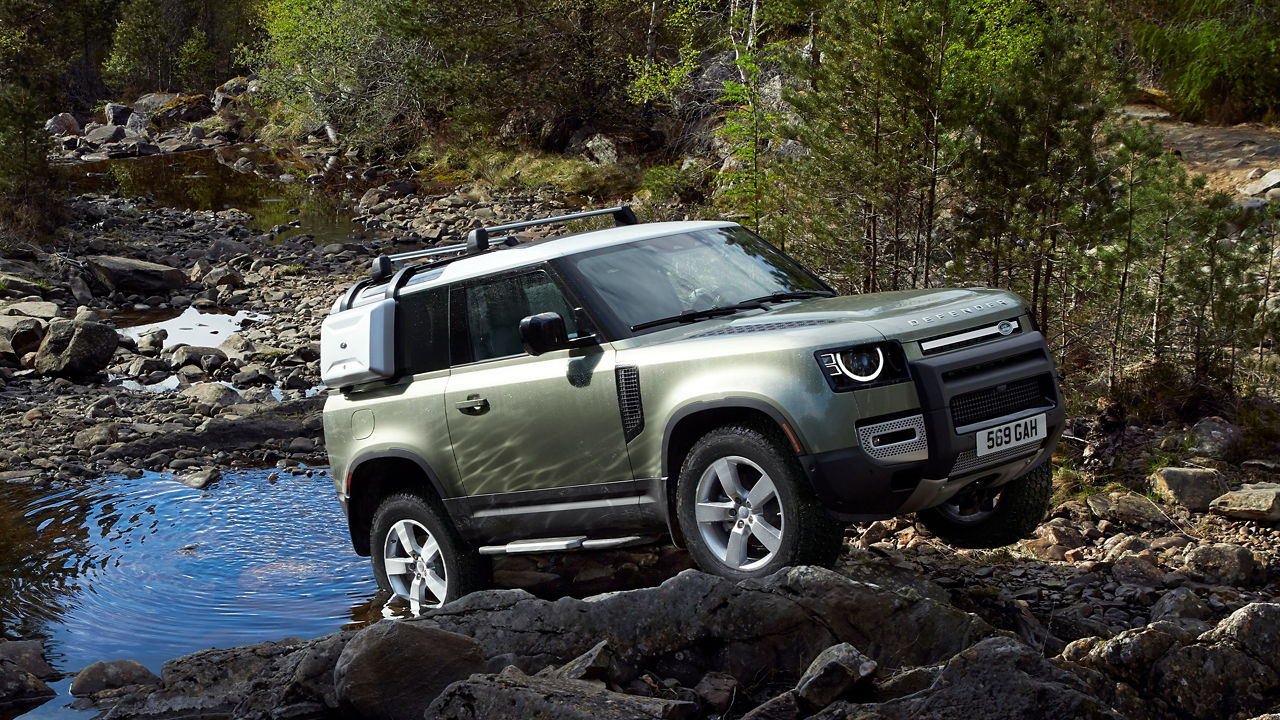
1223 563
62 124
117 114
138 122
1132 570
153 342
207 358
1180 603
394 669
783 707
33 308
222 277
103 434
717 690
512 695
129 275
1061 531
1192 488
213 394
602 149
112 675
598 663
20 688
27 655
1209 682
1255 629
105 135
996 679
832 674
1214 437
151 102
1262 184
23 333
1260 501
201 479
75 349
1130 655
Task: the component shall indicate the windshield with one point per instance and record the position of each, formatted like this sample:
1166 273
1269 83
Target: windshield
649 280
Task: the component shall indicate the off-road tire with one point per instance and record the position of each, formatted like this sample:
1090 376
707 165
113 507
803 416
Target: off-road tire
809 536
1020 506
464 570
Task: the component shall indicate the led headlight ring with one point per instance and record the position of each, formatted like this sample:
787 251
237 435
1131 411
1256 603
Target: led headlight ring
861 378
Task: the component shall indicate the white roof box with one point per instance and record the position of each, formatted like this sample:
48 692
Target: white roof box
358 345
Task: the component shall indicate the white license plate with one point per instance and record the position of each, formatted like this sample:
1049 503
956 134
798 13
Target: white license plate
1012 434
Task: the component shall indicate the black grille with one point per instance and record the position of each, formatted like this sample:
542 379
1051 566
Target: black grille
763 327
629 400
994 402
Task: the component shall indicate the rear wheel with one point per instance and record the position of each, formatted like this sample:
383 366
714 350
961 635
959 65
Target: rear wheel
746 509
988 518
417 555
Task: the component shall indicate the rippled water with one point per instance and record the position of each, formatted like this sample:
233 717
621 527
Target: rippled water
148 569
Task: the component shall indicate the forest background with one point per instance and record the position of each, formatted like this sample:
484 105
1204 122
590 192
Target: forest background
890 144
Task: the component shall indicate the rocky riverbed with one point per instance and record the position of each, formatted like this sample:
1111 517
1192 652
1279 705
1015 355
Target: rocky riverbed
1155 600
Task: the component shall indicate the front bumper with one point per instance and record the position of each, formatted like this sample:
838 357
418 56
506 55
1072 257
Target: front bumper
928 455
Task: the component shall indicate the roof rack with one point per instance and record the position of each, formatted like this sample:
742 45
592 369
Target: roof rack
479 240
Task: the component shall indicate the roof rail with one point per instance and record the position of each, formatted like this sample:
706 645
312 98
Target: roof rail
478 241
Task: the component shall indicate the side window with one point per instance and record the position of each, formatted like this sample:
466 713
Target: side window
422 331
494 311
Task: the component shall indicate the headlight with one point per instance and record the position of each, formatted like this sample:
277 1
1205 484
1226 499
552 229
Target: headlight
863 366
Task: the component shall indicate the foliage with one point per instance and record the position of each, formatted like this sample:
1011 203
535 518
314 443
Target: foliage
181 45
656 77
1214 56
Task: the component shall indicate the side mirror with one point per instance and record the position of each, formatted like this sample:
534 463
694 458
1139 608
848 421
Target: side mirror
543 332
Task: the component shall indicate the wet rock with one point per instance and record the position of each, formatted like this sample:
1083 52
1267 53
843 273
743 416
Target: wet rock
598 663
201 479
20 688
1192 488
1223 563
999 678
138 276
1260 501
1214 437
75 349
253 375
62 124
27 655
512 695
101 676
834 673
394 669
103 434
1180 603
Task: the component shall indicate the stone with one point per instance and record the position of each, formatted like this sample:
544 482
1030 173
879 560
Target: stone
383 193
151 102
101 676
1213 436
602 149
1132 570
1209 682
117 114
832 674
213 394
1259 501
181 110
103 434
23 333
33 309
138 276
201 479
1130 655
105 134
1192 488
998 678
783 707
75 349
207 358
1138 511
62 124
1222 564
717 691
252 375
20 688
1262 184
138 122
1180 603
1061 531
512 695
27 655
394 670
222 277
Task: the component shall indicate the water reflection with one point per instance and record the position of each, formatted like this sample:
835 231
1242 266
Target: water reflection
149 569
189 327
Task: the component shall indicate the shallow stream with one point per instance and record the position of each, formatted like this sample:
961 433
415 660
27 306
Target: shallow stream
148 569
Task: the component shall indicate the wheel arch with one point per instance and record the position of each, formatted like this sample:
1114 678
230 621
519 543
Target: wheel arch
378 475
691 422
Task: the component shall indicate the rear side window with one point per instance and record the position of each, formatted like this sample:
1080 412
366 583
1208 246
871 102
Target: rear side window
422 331
494 309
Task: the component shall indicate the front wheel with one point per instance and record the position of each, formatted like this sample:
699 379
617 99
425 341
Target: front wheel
746 509
989 518
417 555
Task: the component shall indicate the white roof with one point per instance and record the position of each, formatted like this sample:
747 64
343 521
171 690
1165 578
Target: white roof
497 261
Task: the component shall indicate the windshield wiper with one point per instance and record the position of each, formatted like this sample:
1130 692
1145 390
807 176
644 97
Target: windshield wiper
692 315
785 295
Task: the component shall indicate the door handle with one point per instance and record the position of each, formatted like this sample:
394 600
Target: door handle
473 405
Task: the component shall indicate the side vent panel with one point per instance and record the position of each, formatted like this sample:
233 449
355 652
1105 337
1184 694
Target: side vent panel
628 377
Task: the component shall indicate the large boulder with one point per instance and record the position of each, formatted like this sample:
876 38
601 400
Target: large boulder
23 333
1259 501
393 670
62 124
997 679
1223 564
1214 437
20 688
512 695
105 134
180 110
1192 488
102 676
76 348
139 276
152 102
117 114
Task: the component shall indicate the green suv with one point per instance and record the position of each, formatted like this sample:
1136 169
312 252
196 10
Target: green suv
601 388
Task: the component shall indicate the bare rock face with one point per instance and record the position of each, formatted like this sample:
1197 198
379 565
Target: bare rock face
512 695
1192 488
393 670
75 348
1260 501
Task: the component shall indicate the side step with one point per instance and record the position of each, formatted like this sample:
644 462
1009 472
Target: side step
581 542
